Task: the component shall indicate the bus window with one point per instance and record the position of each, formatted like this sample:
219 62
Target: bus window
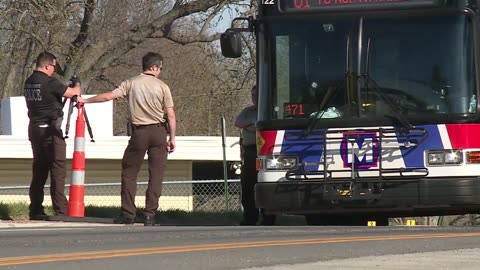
309 67
423 64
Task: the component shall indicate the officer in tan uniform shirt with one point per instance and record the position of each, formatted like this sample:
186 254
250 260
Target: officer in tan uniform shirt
149 100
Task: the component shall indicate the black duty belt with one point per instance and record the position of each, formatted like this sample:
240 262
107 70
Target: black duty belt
45 124
150 125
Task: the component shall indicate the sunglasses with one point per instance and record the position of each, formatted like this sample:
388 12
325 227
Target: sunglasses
54 66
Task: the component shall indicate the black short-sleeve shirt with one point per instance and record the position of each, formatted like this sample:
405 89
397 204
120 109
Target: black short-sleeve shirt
43 95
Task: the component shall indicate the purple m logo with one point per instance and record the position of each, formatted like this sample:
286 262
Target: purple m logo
360 149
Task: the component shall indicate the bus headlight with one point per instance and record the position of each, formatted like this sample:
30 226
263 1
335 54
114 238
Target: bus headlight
444 157
280 162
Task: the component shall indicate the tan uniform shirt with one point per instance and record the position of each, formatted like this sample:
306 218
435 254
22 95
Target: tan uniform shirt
148 98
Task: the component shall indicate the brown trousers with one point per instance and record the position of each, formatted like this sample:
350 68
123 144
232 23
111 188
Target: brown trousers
49 156
150 139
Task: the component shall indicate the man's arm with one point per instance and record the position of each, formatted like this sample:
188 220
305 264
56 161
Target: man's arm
120 92
242 122
98 98
172 123
72 91
250 127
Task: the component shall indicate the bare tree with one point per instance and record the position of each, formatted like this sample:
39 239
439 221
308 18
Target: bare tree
92 35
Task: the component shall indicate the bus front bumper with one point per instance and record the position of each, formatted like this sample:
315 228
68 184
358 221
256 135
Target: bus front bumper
427 196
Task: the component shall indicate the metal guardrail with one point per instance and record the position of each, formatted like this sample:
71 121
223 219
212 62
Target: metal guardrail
194 195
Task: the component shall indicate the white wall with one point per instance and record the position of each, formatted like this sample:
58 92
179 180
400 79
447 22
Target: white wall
14 118
188 147
9 125
14 139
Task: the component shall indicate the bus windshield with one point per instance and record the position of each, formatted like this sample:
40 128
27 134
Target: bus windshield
424 66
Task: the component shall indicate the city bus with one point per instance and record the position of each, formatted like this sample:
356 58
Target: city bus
367 110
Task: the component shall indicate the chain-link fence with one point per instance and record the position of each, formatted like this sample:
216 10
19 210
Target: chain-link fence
196 195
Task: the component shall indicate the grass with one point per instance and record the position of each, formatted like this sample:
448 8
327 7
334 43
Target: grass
19 212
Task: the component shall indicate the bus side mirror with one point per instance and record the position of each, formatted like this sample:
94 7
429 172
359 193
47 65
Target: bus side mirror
231 44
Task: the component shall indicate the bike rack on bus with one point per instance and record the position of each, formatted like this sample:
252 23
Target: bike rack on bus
370 187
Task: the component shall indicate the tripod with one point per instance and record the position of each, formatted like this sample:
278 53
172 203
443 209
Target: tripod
69 116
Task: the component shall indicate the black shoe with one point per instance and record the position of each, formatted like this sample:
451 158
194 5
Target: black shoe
38 216
247 223
124 220
149 221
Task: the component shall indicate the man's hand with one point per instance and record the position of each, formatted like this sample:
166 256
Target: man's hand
81 100
171 145
74 80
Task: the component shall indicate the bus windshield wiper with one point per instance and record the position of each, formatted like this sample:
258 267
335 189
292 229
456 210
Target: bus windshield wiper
312 122
369 81
314 117
393 107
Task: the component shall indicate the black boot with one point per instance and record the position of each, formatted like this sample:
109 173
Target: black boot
149 221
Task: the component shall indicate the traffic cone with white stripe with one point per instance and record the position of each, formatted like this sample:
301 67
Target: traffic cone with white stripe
76 203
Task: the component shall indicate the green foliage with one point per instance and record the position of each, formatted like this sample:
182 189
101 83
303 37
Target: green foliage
4 212
19 212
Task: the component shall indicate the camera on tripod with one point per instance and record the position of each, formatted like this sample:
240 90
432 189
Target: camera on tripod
74 80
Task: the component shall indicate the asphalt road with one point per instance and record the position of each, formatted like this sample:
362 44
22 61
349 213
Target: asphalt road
138 247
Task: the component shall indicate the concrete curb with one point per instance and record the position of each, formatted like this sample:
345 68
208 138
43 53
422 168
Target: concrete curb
45 224
80 219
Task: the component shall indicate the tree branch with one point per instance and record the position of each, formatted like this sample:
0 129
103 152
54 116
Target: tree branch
168 28
85 26
210 17
37 38
183 40
98 57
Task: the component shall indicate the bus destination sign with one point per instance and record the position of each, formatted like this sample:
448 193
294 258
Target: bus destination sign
328 5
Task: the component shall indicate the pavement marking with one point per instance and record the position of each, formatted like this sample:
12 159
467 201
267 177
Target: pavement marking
9 261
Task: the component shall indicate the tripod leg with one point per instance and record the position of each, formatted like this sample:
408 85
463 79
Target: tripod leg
70 111
89 128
